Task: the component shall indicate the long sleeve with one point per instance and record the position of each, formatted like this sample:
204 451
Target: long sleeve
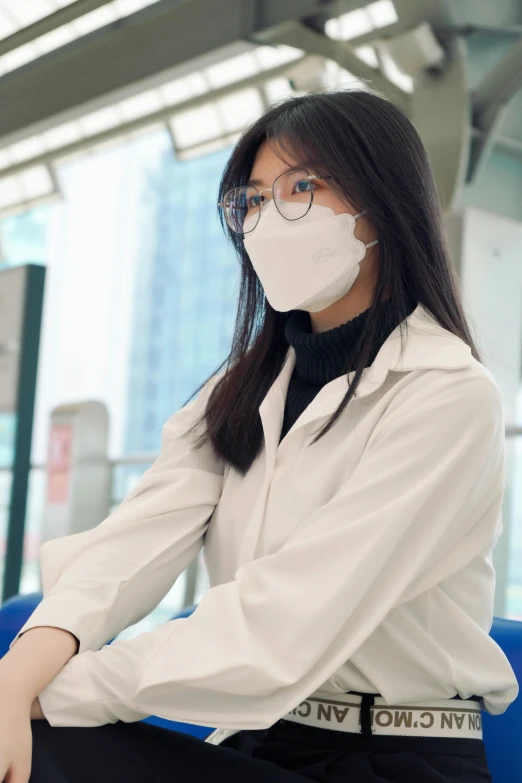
98 582
424 500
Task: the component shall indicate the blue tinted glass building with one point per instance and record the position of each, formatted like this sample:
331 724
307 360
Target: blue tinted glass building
185 296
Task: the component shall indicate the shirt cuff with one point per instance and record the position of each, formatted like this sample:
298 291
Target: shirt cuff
72 698
57 611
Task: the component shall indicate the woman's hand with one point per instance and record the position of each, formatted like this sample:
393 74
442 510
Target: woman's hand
36 710
16 739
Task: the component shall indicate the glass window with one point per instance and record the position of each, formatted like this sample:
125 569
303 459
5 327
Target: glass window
128 293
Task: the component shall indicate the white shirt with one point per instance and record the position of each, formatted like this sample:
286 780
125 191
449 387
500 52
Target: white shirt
360 563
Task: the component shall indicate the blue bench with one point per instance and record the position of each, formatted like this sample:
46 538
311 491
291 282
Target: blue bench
501 732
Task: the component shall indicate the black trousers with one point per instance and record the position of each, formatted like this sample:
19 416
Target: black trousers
284 753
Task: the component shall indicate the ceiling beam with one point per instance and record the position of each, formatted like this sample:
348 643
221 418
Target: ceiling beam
312 42
49 23
160 116
380 34
498 87
490 103
438 13
128 56
440 111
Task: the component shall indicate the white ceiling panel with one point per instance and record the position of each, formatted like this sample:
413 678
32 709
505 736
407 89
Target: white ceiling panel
185 88
277 89
139 105
382 13
240 108
55 38
22 13
23 191
361 21
196 125
227 71
101 120
62 135
17 14
27 149
36 182
8 24
10 191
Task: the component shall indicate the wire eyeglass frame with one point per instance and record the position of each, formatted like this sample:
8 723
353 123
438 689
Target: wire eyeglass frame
309 177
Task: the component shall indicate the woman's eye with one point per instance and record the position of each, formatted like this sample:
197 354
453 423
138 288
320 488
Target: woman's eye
254 201
302 186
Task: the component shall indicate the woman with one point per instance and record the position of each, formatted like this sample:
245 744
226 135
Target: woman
345 635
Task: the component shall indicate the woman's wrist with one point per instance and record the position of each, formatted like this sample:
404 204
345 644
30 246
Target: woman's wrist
21 696
34 660
15 690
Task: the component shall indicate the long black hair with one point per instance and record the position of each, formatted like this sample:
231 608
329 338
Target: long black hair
379 163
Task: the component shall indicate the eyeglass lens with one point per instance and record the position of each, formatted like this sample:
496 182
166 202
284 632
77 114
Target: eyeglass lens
293 197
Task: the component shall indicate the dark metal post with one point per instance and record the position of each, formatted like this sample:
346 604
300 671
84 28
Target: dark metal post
25 399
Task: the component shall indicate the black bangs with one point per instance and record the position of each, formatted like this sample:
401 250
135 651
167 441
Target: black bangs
291 138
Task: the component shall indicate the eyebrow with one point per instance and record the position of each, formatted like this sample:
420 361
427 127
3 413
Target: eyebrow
256 182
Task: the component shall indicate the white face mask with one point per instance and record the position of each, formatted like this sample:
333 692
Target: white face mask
305 264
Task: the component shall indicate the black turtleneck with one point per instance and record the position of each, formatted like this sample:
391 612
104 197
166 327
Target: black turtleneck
322 357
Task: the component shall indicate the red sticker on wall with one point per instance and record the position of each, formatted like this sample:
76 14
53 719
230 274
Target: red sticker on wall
59 463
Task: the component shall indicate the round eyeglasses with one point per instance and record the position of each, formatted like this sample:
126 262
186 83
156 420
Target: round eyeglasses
242 206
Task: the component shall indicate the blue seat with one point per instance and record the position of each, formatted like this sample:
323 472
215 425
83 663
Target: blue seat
14 613
502 733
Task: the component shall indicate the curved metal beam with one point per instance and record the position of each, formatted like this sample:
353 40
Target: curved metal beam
440 110
312 42
491 101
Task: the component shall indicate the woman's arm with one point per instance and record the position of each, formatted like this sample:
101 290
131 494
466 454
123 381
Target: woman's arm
100 581
36 658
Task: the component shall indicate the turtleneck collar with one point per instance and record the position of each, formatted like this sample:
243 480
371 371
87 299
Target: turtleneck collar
320 358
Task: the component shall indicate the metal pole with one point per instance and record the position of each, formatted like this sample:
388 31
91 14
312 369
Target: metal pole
26 392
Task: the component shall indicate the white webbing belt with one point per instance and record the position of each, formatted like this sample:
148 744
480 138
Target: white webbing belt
438 718
342 712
